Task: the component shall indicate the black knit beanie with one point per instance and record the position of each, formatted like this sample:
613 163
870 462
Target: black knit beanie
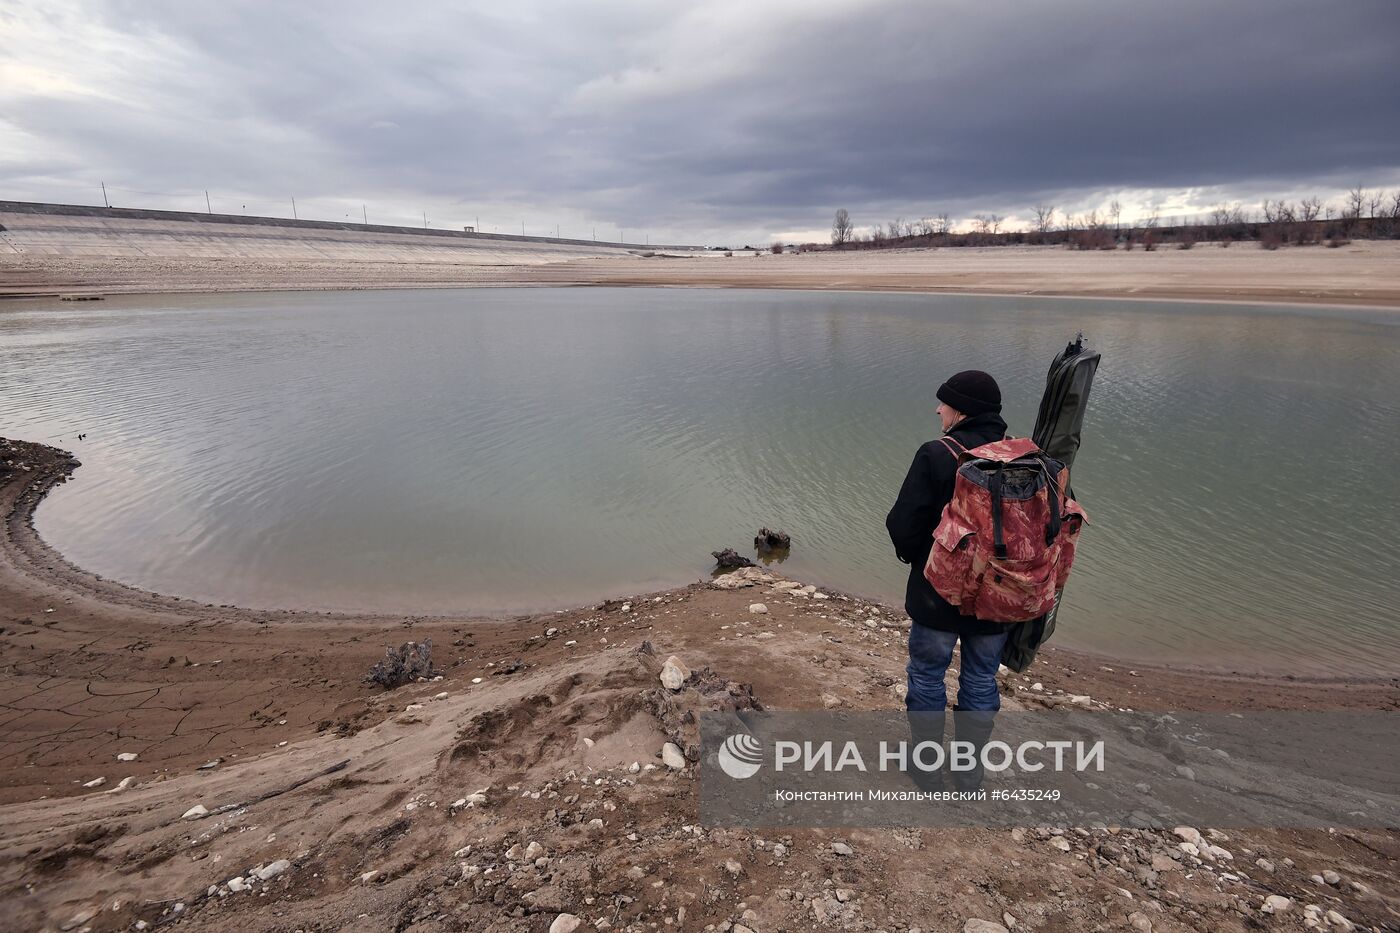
971 392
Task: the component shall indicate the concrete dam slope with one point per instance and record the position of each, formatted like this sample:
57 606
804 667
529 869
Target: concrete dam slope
58 249
72 230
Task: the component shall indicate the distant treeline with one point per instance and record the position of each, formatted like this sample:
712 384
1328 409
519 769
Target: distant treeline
1363 215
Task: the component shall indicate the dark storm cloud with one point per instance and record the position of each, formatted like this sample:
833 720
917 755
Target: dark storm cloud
703 120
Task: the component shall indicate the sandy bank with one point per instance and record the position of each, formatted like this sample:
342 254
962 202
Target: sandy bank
1364 273
353 789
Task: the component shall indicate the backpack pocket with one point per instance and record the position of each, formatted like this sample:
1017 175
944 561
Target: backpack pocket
1016 590
950 568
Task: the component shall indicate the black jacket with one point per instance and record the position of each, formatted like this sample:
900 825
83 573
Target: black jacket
926 490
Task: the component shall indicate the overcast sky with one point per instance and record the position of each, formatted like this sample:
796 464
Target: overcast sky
713 122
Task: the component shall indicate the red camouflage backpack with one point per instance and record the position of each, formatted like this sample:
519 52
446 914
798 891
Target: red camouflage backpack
1006 541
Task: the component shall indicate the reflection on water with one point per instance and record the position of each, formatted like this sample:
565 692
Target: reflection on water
496 450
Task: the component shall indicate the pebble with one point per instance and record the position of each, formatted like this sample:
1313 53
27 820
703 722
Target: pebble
268 872
840 848
533 851
122 785
734 868
1188 834
1340 922
126 756
1265 865
1138 921
831 700
672 757
237 885
565 923
196 812
369 876
96 782
758 609
1061 843
1276 904
674 673
1331 877
975 925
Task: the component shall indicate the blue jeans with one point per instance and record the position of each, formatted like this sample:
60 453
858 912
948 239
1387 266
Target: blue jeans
930 650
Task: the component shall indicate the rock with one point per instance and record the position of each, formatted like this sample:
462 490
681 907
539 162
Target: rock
840 848
730 559
122 785
674 673
738 928
1164 863
672 757
1186 772
758 609
126 756
1265 865
770 540
1081 699
550 632
1188 834
237 885
975 925
196 812
844 895
779 850
210 765
533 851
1138 921
1331 877
96 782
1217 853
734 868
737 579
369 876
1061 843
831 701
268 872
1341 923
1275 904
403 665
78 919
565 923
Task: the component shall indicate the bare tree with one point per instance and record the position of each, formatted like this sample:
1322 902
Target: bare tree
1356 203
896 228
1115 211
1044 217
841 228
943 225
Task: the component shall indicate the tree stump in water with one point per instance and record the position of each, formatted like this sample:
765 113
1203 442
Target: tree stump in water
770 540
730 559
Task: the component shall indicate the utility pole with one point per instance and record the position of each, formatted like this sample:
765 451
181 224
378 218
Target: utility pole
294 209
522 228
425 220
207 205
364 212
104 195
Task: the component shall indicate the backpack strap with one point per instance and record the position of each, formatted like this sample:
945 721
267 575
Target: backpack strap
950 442
998 541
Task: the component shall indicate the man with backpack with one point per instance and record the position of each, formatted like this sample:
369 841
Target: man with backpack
970 410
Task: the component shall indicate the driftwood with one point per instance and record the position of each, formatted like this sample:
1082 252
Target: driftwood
403 665
770 540
730 559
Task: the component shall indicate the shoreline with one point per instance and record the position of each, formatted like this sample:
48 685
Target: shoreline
1363 275
263 719
22 544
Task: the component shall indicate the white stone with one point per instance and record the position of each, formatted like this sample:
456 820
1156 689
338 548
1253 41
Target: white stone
268 872
757 608
122 785
840 848
976 925
126 756
195 812
237 885
96 782
441 696
674 673
1276 904
1139 922
565 923
672 756
1188 834
533 851
1061 843
1081 699
369 876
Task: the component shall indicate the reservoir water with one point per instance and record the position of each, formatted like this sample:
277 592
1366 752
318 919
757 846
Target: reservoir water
502 450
